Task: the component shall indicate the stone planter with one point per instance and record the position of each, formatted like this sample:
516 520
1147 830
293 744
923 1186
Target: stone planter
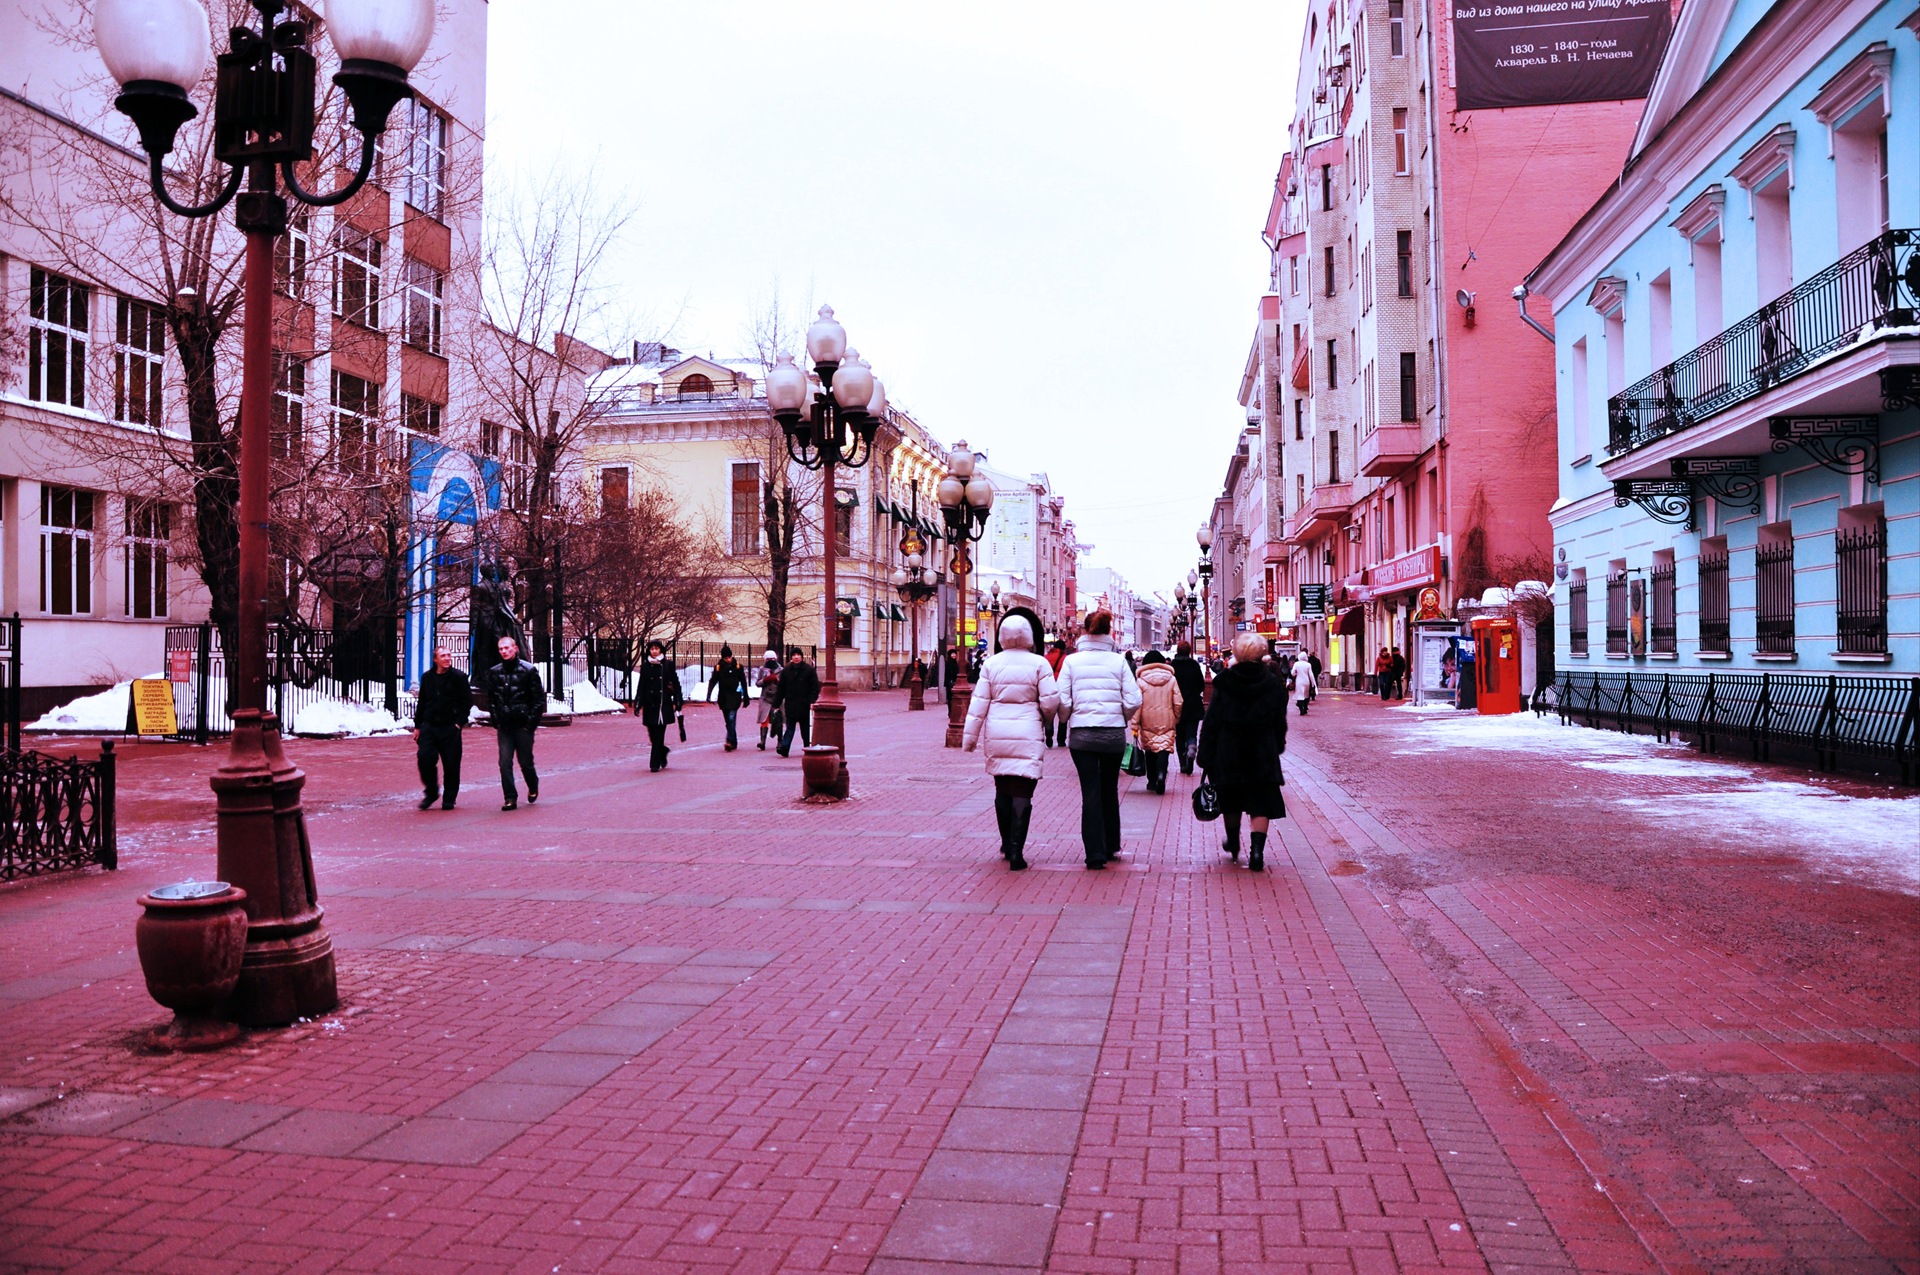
823 775
191 938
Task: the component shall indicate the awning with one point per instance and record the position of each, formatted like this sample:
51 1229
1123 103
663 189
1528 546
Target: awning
1353 621
898 614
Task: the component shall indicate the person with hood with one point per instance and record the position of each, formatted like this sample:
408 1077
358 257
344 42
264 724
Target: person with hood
516 701
1016 698
1383 674
1158 723
1241 740
729 681
657 702
799 687
768 684
1302 682
1056 656
1192 680
1098 698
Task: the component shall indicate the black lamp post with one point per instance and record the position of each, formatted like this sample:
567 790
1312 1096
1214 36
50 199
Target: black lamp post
915 582
263 126
966 498
828 427
1205 538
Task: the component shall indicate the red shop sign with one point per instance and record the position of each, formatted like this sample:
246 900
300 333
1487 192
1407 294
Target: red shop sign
1409 571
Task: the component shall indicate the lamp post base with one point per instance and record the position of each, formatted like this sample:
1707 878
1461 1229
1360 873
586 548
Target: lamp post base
288 971
957 699
916 694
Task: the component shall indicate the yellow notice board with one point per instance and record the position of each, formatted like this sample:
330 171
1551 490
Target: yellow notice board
153 707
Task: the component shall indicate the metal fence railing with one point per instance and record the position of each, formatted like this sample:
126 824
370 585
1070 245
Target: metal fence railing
10 643
56 813
305 666
1861 722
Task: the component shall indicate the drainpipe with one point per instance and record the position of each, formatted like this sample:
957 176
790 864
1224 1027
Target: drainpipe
1520 295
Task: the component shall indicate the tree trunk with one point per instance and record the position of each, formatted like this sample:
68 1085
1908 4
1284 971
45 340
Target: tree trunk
779 516
216 480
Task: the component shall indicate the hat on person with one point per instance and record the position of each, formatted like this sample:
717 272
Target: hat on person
771 655
726 652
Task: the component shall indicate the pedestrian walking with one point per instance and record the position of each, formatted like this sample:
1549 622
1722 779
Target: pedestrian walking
516 701
1158 722
949 672
1193 702
767 682
1011 707
1056 728
1399 674
1098 698
799 687
656 702
1383 674
729 681
1302 683
1313 689
1241 741
442 702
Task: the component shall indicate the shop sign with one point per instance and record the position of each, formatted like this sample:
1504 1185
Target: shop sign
179 666
1313 602
1545 52
1408 571
151 707
1286 610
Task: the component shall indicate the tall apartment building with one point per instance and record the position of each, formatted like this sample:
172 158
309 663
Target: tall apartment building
377 300
1406 411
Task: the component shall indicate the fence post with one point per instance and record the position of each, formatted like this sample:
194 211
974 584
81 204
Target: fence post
1664 709
13 683
1909 729
104 811
1830 716
1762 724
1709 716
204 675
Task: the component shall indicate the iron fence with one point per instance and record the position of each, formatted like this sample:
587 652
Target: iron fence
1858 721
1773 597
1877 285
56 813
10 635
1860 556
305 665
1716 629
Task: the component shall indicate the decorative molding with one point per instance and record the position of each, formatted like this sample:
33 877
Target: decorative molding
1843 444
1608 295
1708 208
1668 500
1853 84
1765 158
1900 387
1912 23
1730 480
1697 32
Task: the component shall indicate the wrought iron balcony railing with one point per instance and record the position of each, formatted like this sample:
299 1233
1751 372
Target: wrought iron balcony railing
1875 286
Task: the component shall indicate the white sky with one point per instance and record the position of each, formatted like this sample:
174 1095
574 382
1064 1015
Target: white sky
1039 221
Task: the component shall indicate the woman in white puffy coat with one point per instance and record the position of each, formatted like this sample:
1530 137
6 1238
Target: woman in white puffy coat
1099 696
1012 703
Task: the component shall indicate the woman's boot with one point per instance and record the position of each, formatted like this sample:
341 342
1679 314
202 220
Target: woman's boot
763 739
1232 843
1022 815
1003 816
1257 852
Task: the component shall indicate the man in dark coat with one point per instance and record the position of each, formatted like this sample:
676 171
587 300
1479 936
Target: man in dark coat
516 701
1398 674
799 687
1192 680
1241 740
657 702
440 711
729 681
949 670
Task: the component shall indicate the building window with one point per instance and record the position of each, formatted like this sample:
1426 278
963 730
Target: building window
1773 590
139 355
1403 262
423 295
356 277
66 551
1707 308
695 383
1665 627
353 142
1328 261
426 159
1715 628
149 532
508 448
842 629
1333 362
56 339
614 495
1617 634
1397 28
420 417
1773 235
1409 388
746 509
1333 455
1299 419
290 252
287 425
1401 156
356 423
1293 275
1860 557
842 530
1326 188
1577 613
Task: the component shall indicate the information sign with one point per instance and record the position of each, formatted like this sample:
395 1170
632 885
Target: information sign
1543 52
1313 602
179 666
152 707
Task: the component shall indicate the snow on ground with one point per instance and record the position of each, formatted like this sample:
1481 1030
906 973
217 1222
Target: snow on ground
104 712
1874 838
587 699
343 717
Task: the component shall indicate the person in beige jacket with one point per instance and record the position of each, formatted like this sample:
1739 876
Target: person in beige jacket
1158 725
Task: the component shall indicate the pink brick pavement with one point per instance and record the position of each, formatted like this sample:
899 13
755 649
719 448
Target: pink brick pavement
1479 1015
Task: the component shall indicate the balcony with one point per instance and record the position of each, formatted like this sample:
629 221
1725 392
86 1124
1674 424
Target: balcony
1327 503
1869 297
1302 365
1390 449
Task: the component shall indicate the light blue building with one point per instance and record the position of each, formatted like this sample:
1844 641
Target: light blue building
1737 332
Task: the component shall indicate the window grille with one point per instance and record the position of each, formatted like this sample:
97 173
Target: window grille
1617 613
1773 597
139 356
1665 604
1860 554
1577 618
56 339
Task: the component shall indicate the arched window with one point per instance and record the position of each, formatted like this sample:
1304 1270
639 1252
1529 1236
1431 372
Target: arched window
695 384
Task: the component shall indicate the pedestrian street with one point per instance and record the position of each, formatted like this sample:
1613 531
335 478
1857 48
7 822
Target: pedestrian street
685 1021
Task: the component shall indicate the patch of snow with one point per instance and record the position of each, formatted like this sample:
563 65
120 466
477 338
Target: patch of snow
104 711
585 698
1411 707
344 718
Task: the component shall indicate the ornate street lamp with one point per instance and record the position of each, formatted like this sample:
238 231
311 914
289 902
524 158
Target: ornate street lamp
1205 574
916 582
966 497
263 126
828 427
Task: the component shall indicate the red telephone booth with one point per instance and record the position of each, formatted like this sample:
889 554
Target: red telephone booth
1497 664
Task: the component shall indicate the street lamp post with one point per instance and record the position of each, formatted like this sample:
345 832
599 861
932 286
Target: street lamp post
263 123
966 497
1205 538
827 428
915 583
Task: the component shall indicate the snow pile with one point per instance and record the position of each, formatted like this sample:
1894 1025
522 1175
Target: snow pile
104 712
586 698
1437 706
336 717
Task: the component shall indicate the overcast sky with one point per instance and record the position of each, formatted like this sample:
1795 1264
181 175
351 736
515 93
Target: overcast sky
1039 221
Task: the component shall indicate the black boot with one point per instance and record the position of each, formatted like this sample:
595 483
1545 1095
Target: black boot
1257 852
1003 816
1232 843
1020 817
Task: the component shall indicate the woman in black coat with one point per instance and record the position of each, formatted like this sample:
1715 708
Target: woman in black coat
729 681
1241 740
657 701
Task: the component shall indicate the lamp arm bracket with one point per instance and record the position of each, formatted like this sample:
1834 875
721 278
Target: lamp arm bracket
346 192
158 178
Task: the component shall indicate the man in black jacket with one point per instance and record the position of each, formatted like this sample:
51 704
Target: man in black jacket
439 712
657 702
729 680
1192 681
799 687
516 701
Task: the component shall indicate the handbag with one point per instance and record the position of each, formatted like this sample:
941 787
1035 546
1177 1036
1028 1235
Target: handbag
681 718
1133 760
1206 801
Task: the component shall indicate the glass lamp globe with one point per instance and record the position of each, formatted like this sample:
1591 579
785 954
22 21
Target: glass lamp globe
786 385
952 492
853 383
980 493
877 405
1193 578
899 577
960 462
153 41
395 32
916 560
826 339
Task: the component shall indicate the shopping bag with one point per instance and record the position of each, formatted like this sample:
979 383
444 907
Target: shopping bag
1134 760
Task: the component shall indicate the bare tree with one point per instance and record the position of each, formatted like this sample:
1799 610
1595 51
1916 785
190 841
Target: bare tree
644 572
787 491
